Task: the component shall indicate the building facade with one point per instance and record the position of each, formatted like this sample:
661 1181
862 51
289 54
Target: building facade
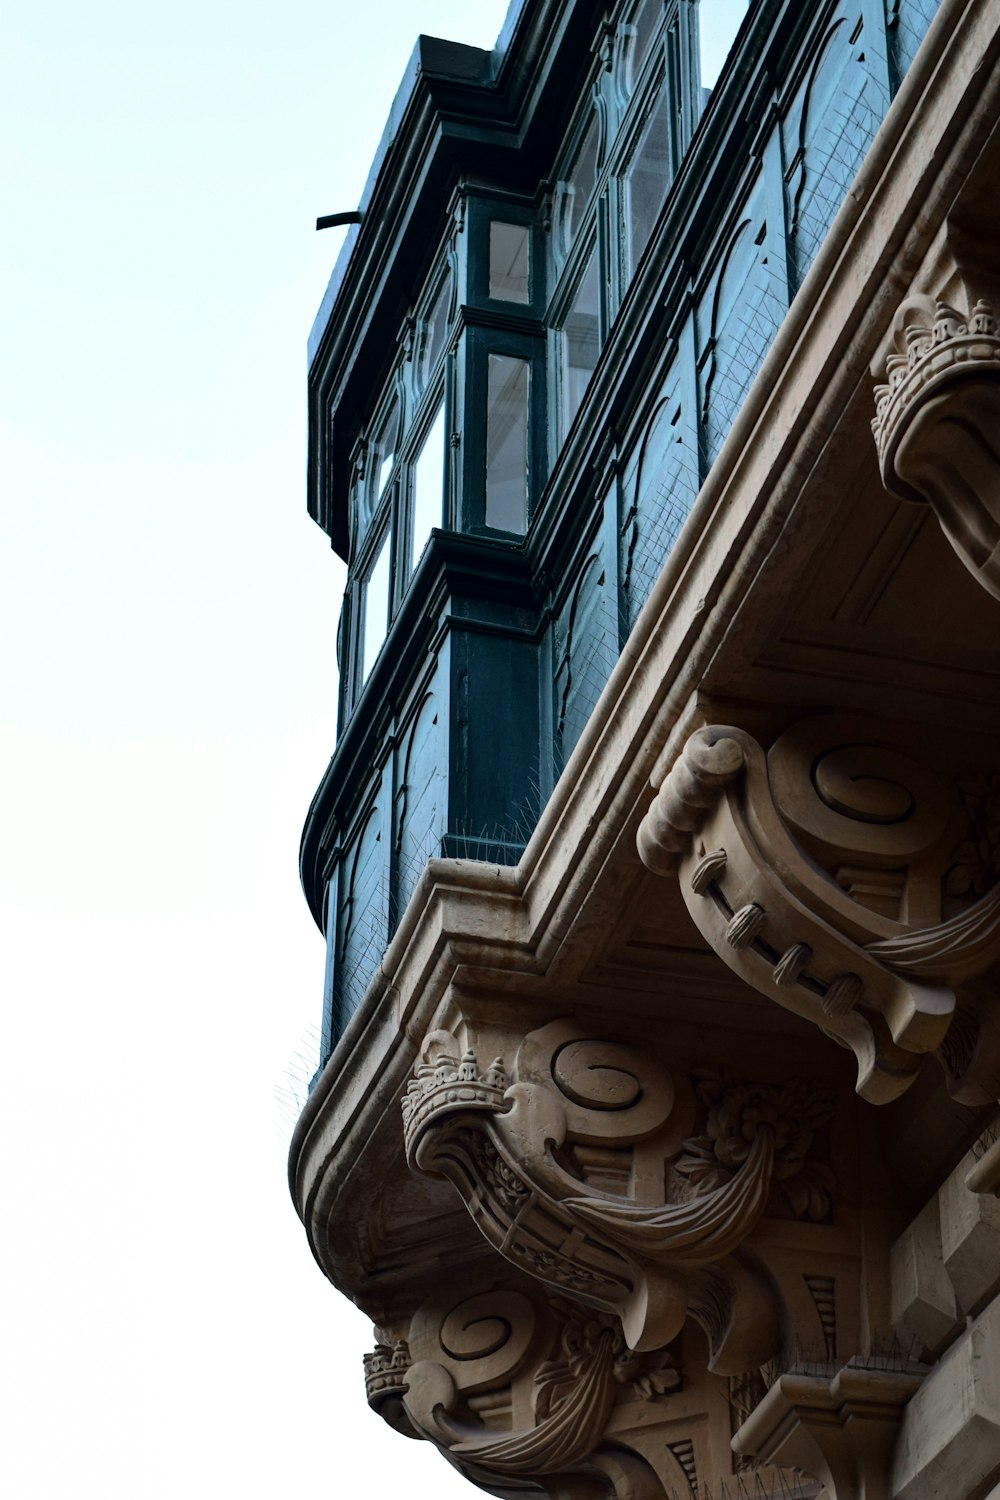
658 856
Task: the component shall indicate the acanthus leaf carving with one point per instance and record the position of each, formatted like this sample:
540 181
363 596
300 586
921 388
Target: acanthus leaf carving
975 862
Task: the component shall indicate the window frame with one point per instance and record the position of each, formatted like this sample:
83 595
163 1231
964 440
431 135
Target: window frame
481 342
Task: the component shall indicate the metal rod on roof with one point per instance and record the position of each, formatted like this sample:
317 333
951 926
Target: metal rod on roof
330 221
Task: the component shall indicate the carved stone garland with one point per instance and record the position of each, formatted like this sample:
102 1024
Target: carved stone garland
514 1155
936 424
749 834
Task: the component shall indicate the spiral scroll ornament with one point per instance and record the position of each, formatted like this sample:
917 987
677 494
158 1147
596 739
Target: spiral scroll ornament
565 1366
816 873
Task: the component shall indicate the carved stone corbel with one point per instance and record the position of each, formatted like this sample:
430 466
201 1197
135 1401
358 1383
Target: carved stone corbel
840 1429
815 873
564 1168
936 423
517 1389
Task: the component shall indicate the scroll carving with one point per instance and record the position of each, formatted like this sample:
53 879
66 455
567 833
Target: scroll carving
516 1388
935 426
816 873
664 1243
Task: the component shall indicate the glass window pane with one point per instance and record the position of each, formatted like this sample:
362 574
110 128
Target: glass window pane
376 608
581 341
646 180
507 444
579 186
428 486
646 19
509 262
385 448
434 332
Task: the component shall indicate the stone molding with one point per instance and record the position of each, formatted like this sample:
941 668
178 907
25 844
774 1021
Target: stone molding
945 1266
936 418
949 1439
785 863
840 1429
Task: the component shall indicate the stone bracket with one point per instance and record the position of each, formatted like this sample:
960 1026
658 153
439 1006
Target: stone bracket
758 842
839 1429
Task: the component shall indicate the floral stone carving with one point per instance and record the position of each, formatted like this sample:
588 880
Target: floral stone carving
771 853
936 422
738 1113
975 866
648 1257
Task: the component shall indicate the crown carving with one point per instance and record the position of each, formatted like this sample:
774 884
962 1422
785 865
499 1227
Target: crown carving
386 1368
442 1083
934 343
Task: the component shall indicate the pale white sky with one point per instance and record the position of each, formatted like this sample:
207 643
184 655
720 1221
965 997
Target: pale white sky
167 705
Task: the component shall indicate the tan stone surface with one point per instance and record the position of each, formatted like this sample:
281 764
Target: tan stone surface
949 1443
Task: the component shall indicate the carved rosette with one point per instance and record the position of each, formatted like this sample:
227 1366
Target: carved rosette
584 1175
936 423
815 873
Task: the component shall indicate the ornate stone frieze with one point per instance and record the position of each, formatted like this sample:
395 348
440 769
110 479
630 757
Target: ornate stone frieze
667 1245
777 855
936 424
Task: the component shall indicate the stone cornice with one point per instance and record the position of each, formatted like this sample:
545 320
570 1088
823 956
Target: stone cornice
838 1428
